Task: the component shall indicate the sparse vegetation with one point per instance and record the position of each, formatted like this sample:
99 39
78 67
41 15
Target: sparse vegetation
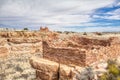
113 72
26 29
17 67
59 31
84 33
98 33
66 32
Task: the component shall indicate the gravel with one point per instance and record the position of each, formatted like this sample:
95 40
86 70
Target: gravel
17 67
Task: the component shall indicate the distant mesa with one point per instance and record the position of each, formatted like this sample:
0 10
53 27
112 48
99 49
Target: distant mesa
44 29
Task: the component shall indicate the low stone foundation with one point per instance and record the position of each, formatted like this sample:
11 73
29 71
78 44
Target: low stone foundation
20 45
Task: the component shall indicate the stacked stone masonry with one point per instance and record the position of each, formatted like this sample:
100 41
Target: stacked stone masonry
69 56
58 62
19 45
66 59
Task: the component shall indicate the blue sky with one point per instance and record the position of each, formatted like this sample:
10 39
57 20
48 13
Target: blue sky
62 15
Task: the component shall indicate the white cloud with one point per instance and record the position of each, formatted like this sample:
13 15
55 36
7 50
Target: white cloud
49 12
87 29
112 15
101 29
118 4
115 12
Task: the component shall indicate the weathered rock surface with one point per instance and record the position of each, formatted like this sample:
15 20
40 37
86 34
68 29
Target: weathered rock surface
24 40
45 69
20 45
90 41
68 56
66 72
49 70
26 48
18 42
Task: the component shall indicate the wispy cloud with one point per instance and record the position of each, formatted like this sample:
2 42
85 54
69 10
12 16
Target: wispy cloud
102 29
57 14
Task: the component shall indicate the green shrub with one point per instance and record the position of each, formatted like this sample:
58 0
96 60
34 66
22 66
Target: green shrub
118 78
104 77
113 71
98 33
84 33
26 29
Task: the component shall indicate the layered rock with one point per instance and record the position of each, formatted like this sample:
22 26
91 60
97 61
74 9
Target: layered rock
25 45
24 40
68 56
20 45
91 41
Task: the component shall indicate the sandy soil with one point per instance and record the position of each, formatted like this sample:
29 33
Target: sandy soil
17 67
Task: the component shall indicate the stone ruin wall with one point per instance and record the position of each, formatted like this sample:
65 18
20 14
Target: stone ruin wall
50 70
98 53
69 56
23 41
44 29
57 62
90 51
19 45
61 63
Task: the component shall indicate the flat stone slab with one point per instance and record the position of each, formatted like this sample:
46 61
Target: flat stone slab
50 70
45 69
